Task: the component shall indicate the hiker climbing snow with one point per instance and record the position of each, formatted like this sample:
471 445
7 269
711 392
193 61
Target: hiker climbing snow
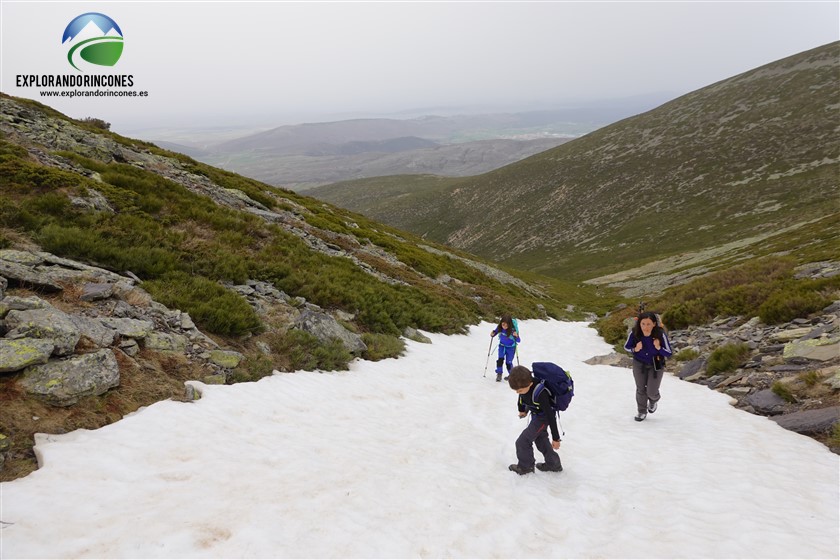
508 339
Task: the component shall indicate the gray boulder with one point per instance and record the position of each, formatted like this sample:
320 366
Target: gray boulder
416 336
93 291
165 342
820 349
816 421
12 268
16 355
692 367
15 303
766 402
64 382
324 328
613 359
3 285
129 328
50 324
94 330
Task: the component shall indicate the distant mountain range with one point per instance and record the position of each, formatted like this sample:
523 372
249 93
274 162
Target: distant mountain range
306 155
743 167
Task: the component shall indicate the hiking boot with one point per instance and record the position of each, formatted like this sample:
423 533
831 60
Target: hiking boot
640 416
499 377
550 468
519 470
652 406
507 377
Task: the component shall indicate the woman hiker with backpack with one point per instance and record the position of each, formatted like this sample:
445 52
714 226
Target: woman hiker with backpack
649 345
508 339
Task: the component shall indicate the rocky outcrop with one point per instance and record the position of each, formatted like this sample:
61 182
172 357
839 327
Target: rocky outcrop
64 382
788 373
324 328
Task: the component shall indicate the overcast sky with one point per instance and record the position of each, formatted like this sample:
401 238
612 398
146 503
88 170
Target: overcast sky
219 63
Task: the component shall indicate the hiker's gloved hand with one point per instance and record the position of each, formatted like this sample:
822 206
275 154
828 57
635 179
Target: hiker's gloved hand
492 333
657 344
555 444
638 347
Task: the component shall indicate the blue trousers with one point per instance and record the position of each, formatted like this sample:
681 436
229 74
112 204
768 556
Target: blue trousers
506 354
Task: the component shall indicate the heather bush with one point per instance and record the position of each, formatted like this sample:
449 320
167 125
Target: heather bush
727 358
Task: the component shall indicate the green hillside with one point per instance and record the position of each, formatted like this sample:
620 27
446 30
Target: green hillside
191 232
743 167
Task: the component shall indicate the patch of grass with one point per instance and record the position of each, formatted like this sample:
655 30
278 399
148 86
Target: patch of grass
727 358
381 346
783 391
686 355
208 303
834 437
303 351
252 368
809 378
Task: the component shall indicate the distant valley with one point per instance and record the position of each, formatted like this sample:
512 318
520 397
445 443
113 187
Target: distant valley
308 155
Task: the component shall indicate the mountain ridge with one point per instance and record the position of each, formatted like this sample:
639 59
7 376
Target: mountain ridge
730 161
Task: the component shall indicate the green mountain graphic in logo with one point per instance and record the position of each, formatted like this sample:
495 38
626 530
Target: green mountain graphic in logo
95 39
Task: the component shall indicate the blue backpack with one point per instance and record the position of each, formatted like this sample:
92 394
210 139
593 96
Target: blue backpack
557 381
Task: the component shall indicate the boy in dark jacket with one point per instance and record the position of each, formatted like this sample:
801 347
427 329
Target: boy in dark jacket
542 419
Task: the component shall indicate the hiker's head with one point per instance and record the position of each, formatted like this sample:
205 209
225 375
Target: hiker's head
645 324
520 379
506 324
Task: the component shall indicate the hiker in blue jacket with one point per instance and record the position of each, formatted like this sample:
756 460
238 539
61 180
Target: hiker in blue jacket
508 339
649 345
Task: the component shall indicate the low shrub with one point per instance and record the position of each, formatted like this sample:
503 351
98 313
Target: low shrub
686 355
834 436
252 368
790 303
727 358
809 378
210 305
381 346
305 352
783 391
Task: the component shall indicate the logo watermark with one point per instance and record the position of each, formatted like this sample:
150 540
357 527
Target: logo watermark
94 39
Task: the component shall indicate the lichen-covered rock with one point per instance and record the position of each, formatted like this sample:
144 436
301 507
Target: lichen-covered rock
64 382
215 379
820 349
129 328
415 335
165 341
94 330
226 358
18 354
93 291
324 328
50 324
15 303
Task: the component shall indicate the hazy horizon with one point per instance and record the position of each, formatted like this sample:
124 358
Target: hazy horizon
206 64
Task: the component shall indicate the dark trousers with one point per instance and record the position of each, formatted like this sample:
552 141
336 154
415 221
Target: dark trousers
535 433
647 384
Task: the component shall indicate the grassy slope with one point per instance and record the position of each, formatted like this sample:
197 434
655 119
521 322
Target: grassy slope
738 159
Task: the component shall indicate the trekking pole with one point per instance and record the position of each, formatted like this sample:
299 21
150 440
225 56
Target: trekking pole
489 351
516 351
